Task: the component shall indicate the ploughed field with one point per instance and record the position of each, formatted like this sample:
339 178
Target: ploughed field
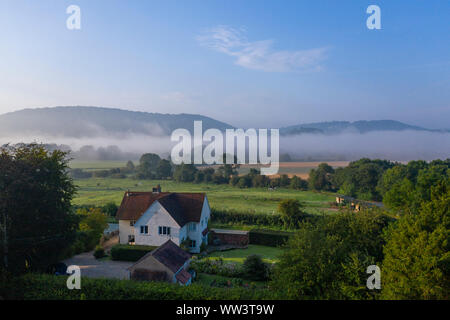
99 191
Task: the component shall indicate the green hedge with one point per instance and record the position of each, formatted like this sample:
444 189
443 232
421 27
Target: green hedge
125 252
248 218
49 287
253 219
268 237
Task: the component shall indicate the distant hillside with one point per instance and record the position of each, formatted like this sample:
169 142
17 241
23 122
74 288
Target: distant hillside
91 122
336 127
82 122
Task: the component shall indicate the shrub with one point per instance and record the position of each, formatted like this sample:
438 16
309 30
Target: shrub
291 213
216 266
99 252
125 252
268 237
84 241
255 269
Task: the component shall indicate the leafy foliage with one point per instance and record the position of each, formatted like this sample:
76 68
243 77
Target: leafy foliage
35 207
328 260
255 269
321 178
360 178
417 257
184 173
99 252
48 287
405 187
148 164
291 213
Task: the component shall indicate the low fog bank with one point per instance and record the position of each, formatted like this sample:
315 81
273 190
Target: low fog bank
129 147
394 145
391 145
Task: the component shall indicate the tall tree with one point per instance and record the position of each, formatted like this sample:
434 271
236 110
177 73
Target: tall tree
164 169
148 164
417 257
37 222
321 178
291 213
328 259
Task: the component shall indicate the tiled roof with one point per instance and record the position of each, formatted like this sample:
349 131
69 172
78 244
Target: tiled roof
134 204
183 276
183 207
169 254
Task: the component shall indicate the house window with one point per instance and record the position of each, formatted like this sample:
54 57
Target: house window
193 244
130 238
144 229
164 230
193 227
132 223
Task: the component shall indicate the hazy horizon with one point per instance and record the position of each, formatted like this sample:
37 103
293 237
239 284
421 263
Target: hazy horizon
249 125
240 62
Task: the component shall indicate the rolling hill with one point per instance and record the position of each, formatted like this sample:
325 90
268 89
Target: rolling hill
336 127
88 122
83 122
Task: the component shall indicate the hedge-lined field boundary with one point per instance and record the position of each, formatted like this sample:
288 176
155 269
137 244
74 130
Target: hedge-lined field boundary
253 219
269 238
49 287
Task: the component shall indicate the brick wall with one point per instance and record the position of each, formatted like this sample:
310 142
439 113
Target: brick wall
237 239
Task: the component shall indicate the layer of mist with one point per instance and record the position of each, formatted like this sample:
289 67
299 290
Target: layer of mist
392 145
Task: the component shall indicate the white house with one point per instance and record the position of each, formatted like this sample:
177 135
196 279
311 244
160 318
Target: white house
152 218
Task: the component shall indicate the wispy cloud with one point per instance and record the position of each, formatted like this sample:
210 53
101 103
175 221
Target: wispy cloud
260 55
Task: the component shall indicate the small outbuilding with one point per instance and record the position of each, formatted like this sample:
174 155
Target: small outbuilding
236 238
167 263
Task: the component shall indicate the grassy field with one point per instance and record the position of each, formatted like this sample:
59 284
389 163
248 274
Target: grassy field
269 254
99 191
97 165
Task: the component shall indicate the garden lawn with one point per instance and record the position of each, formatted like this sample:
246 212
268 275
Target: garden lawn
269 254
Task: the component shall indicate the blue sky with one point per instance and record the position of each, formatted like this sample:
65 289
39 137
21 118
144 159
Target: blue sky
248 63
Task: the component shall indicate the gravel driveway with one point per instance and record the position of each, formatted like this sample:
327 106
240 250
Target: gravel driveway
93 268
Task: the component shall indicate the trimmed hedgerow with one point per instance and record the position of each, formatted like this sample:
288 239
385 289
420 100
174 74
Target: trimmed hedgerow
125 252
246 218
268 237
253 219
49 287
